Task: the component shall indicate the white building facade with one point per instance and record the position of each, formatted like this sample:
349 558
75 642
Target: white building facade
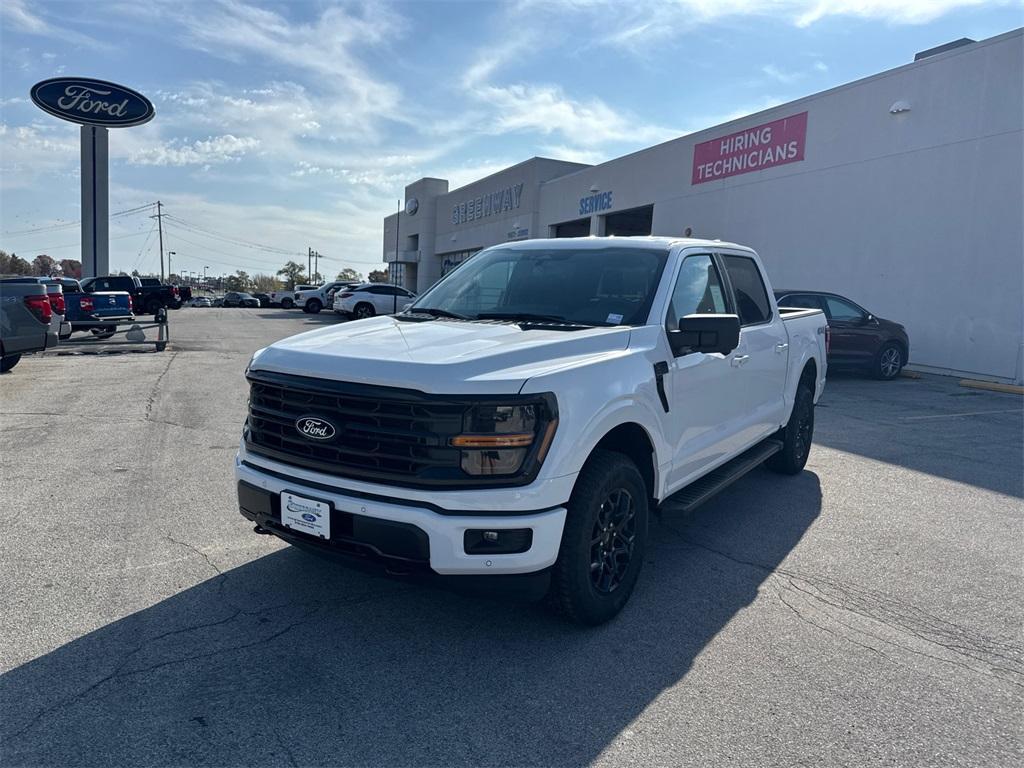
903 191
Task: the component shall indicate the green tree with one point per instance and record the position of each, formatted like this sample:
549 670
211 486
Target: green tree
349 274
44 265
378 276
10 264
293 273
71 268
238 282
265 283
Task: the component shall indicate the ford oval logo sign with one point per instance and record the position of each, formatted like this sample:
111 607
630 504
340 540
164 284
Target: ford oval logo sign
308 517
92 102
315 428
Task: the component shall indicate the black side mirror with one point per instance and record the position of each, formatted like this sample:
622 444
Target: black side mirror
705 333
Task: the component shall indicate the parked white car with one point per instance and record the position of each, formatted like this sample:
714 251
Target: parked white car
523 420
314 299
371 299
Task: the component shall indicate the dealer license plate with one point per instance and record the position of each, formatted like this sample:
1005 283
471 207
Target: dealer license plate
306 515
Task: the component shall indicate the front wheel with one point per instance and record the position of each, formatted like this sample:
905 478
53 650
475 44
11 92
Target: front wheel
603 543
796 436
8 361
313 307
287 303
889 362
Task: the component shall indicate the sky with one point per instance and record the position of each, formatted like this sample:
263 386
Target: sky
284 126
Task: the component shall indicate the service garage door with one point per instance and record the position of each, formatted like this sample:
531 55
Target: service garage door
577 228
635 221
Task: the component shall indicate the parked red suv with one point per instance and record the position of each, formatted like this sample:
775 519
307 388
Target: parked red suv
860 340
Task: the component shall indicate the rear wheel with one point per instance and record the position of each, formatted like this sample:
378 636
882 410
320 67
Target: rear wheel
603 543
313 306
889 362
105 332
153 306
364 310
796 436
8 361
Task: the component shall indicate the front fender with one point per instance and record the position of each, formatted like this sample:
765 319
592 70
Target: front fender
595 398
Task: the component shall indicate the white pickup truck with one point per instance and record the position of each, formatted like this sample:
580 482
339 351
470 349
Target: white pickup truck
520 423
313 299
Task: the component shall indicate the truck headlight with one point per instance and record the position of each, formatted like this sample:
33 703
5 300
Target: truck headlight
497 439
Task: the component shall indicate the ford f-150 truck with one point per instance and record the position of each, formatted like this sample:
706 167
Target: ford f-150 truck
522 420
86 310
145 298
26 315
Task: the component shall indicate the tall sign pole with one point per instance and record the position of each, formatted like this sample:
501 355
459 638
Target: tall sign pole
96 105
95 202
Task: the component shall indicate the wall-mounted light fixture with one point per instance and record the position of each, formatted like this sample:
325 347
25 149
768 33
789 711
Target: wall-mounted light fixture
899 106
594 188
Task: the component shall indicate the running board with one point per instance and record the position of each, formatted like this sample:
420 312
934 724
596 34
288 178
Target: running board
699 491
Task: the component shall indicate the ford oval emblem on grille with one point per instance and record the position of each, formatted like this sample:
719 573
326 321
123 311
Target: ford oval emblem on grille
314 428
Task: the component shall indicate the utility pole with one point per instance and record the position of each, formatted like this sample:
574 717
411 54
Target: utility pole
160 226
316 265
309 263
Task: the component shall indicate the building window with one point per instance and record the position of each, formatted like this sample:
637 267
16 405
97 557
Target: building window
450 261
577 228
396 273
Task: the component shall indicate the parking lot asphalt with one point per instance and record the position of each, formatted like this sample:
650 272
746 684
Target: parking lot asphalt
866 612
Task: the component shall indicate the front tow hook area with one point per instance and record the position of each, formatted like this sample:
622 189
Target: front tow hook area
261 530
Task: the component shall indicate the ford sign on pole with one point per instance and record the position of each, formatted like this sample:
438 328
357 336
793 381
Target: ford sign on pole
92 102
96 105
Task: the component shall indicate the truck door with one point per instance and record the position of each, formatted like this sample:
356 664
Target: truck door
702 389
762 357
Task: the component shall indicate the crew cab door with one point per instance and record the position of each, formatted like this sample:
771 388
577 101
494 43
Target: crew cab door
762 357
703 390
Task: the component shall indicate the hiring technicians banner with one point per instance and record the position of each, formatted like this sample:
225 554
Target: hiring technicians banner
754 149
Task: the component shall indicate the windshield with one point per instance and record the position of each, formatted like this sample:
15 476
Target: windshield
588 286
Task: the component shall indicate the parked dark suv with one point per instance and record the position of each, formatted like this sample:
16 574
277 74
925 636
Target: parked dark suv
860 340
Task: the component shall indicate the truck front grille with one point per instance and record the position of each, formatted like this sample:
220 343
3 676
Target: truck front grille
380 434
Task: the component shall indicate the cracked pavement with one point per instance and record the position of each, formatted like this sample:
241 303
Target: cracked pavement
867 612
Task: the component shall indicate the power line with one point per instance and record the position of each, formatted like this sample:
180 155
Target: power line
78 244
75 223
204 247
229 239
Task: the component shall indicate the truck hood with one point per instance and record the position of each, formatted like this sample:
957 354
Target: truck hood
438 356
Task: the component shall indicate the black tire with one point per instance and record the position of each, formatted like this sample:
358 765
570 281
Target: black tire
888 362
590 583
161 346
313 306
8 361
364 310
105 332
796 436
153 306
287 303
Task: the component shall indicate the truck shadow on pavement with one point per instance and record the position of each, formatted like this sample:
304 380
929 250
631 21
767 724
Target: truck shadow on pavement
290 660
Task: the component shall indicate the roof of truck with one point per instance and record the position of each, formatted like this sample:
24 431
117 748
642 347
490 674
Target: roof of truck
645 242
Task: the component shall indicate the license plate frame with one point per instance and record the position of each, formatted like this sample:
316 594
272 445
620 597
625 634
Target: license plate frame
306 515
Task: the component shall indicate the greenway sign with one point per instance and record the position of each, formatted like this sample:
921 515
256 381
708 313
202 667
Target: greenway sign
92 102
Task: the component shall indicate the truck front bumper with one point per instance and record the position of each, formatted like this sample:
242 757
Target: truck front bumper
401 534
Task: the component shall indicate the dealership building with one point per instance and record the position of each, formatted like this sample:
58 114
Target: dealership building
903 191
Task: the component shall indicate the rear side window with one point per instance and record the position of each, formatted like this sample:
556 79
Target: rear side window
842 310
751 297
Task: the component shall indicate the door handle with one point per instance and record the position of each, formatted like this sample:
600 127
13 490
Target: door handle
780 348
739 360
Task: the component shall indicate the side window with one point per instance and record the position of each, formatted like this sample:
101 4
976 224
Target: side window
698 291
842 310
751 298
800 301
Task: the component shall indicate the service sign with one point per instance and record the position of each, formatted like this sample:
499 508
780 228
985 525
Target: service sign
754 149
92 102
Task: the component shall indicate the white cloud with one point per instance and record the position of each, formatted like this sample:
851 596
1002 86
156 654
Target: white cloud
20 18
205 152
28 152
780 75
821 66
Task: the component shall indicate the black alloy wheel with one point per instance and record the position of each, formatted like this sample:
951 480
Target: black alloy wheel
612 541
603 541
364 310
796 436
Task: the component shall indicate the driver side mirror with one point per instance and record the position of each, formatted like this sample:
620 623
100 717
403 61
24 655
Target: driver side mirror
705 333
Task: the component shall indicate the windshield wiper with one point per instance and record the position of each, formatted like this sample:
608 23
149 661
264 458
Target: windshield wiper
528 317
435 312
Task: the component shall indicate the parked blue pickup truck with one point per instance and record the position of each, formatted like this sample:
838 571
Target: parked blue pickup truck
84 310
